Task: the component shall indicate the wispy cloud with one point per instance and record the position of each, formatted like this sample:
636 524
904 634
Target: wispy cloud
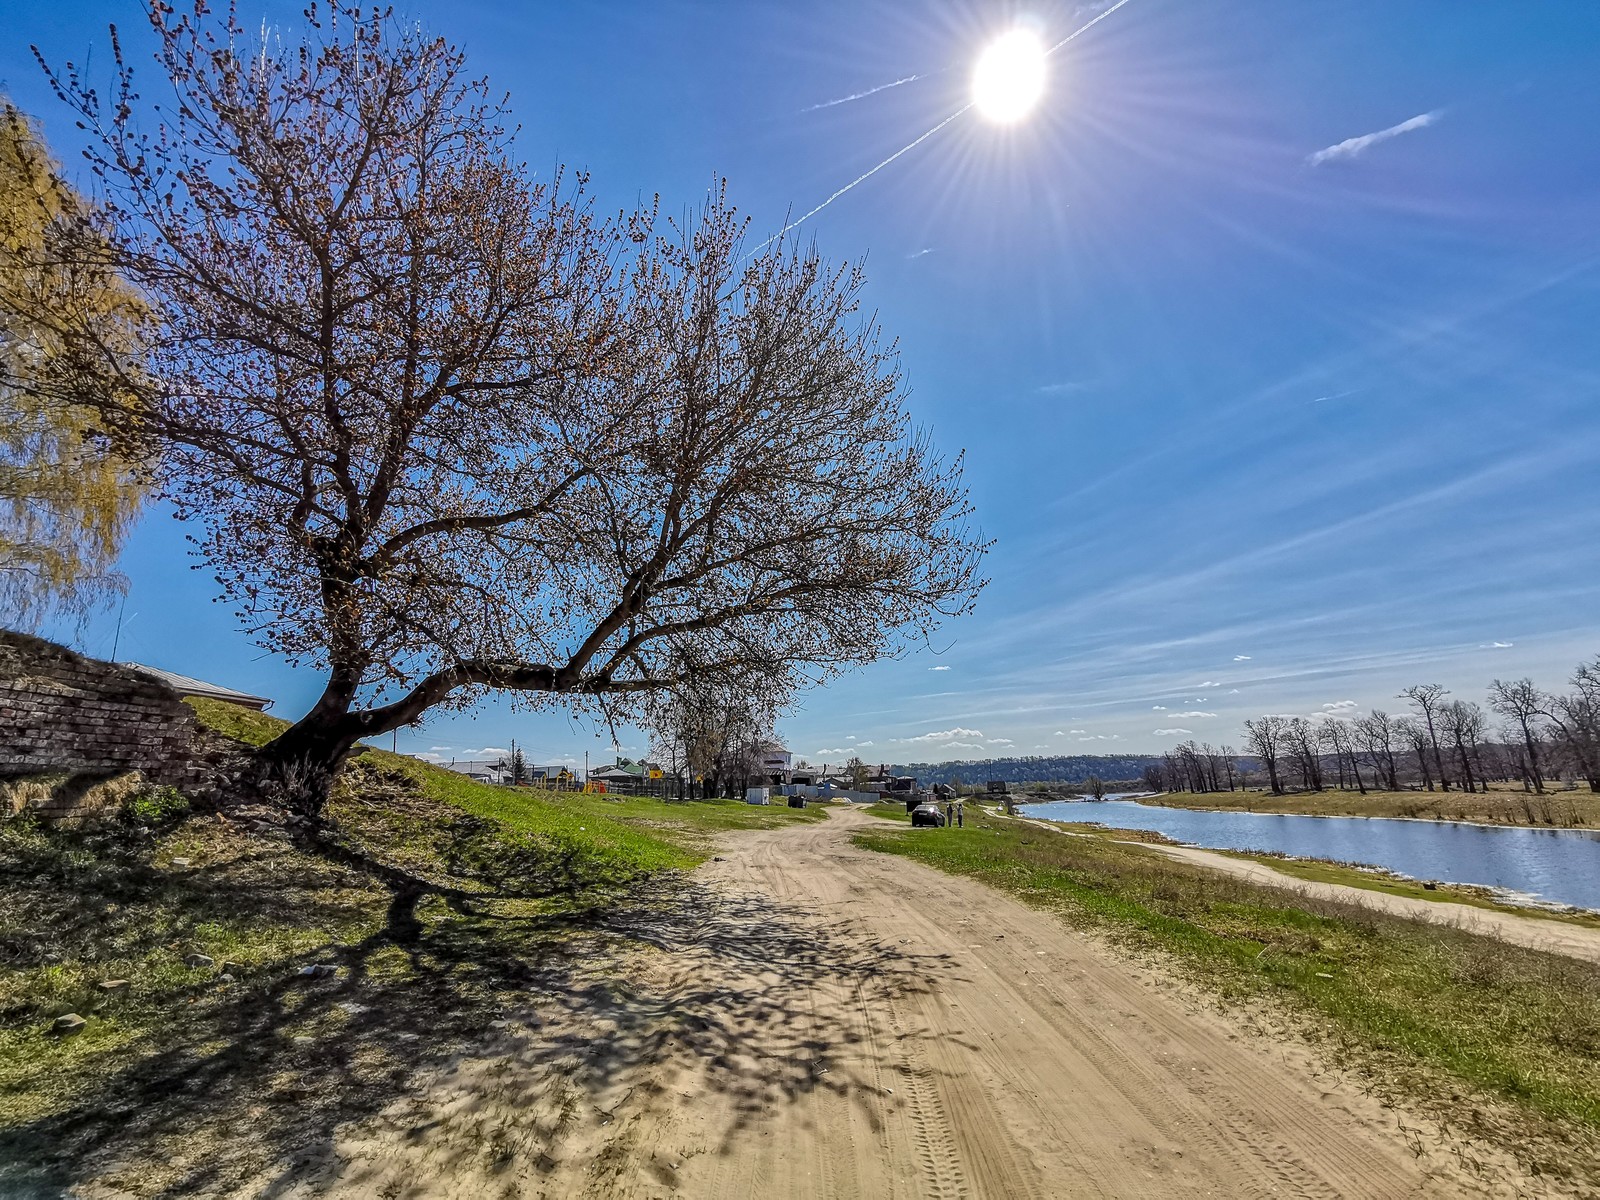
1356 146
938 668
1059 734
1241 658
1158 708
920 253
1190 716
944 735
1063 388
836 751
1000 742
1169 732
1495 646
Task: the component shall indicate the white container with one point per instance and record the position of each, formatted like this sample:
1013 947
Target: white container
757 795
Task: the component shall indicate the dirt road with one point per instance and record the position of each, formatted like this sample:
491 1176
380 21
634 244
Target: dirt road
824 1021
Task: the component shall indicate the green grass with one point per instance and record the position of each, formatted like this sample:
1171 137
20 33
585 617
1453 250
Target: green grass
1501 806
1434 1012
654 834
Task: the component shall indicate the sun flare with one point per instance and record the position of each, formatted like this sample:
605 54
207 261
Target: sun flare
1009 77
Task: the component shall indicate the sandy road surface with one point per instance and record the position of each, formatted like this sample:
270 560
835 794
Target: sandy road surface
826 1021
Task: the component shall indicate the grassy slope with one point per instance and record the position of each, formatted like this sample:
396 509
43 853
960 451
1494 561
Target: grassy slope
1500 807
1428 1009
81 907
652 833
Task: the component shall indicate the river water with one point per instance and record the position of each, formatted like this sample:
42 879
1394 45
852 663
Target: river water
1560 866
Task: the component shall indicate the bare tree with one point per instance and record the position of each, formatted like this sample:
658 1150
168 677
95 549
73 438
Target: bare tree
1304 746
1523 706
1427 698
1464 725
445 431
1267 738
1339 738
1576 717
712 728
1414 735
1377 736
1229 758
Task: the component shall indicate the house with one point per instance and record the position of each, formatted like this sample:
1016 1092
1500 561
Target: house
626 775
185 685
496 770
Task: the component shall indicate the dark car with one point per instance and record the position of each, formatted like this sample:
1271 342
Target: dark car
927 815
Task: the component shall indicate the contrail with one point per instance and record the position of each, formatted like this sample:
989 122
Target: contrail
862 178
912 145
1086 26
882 87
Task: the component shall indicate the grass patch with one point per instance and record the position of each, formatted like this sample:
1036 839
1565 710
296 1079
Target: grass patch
1561 810
1448 1018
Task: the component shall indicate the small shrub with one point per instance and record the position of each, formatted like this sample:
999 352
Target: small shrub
156 807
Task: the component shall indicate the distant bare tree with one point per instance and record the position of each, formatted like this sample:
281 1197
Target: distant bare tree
1377 736
1427 698
1339 738
1229 757
712 728
1305 752
1464 726
1576 717
1267 738
1523 706
1414 735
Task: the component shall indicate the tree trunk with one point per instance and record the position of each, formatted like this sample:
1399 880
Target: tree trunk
296 769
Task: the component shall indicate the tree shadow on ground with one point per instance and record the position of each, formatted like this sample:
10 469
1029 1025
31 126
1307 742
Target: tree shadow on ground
549 1020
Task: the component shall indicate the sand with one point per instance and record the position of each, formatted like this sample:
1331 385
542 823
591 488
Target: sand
825 1021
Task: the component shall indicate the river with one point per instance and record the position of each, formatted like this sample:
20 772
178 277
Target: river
1555 866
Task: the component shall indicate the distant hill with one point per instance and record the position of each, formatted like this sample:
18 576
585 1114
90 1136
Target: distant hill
1052 768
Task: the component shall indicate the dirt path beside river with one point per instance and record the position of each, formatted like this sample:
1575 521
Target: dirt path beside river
825 1021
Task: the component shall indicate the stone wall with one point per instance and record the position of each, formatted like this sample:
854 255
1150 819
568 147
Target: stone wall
62 712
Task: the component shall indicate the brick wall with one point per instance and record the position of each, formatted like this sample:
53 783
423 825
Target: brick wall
61 711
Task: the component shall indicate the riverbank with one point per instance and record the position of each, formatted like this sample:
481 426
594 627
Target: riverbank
1491 1037
1553 810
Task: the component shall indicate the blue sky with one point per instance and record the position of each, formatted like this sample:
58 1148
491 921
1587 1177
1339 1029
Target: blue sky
1264 414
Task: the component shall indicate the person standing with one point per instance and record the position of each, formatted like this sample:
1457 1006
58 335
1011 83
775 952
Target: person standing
961 814
949 814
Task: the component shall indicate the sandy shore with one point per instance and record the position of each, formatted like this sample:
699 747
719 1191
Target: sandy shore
829 1022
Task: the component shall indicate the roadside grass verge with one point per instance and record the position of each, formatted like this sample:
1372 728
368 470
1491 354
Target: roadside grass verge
1561 810
1492 1037
214 1076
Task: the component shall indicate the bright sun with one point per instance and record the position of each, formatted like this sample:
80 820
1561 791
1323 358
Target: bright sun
1009 77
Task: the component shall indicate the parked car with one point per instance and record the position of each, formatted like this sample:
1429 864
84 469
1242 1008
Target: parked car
927 815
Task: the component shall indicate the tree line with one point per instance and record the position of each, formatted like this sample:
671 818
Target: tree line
1523 734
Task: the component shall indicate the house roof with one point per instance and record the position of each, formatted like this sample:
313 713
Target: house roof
187 685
